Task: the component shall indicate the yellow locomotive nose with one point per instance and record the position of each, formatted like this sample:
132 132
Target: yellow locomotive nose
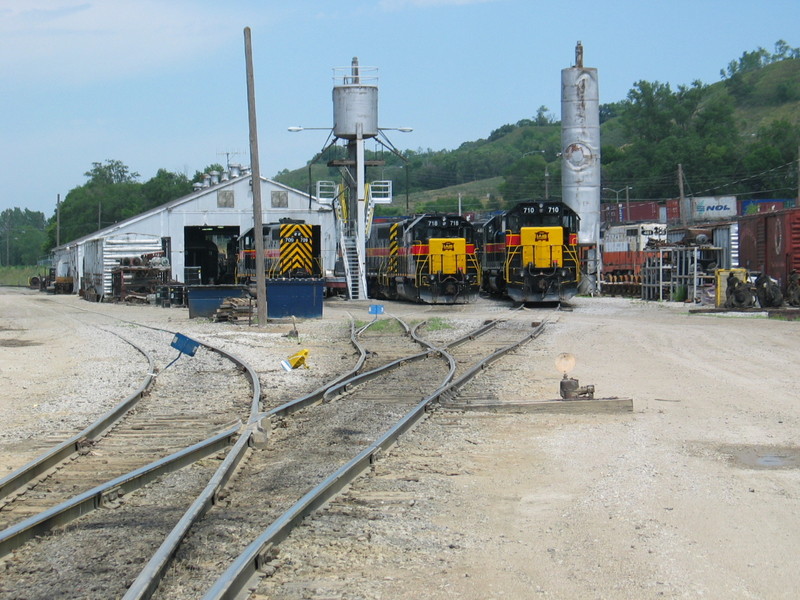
448 255
542 246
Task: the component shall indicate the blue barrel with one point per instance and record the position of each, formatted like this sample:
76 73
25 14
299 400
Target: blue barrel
301 298
204 300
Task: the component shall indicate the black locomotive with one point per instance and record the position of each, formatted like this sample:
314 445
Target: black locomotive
425 258
291 250
530 252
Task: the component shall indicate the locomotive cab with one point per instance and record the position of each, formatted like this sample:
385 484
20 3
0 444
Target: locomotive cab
291 251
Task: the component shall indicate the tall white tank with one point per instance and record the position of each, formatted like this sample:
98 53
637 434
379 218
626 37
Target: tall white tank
580 143
355 102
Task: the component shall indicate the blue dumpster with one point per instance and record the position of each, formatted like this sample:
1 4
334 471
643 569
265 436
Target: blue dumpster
300 298
204 300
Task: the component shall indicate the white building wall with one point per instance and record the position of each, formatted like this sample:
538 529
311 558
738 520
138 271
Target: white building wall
228 204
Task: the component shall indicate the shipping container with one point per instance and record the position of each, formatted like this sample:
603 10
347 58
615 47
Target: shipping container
673 210
713 208
611 213
630 212
752 206
770 243
641 211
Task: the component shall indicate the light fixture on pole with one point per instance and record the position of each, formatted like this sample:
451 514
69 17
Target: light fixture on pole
626 189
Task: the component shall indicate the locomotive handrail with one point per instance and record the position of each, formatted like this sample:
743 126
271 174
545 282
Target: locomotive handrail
512 251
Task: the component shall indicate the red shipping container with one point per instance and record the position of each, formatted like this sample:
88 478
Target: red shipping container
770 242
642 211
610 212
673 210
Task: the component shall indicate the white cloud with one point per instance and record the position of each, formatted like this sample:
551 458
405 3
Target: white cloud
79 41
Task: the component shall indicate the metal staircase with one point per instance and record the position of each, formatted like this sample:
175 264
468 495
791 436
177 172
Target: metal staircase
356 280
377 192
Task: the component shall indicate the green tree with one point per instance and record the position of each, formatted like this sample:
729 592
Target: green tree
769 161
112 194
22 233
664 128
165 187
530 177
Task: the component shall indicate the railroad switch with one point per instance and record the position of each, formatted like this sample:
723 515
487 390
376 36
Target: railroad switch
571 389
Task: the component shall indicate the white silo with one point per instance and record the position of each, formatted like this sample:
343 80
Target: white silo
580 143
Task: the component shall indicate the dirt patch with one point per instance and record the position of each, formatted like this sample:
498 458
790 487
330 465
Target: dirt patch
17 343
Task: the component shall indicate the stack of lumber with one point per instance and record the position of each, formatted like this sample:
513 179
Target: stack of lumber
234 309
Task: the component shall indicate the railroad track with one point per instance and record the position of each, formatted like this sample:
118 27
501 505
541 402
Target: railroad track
282 474
175 417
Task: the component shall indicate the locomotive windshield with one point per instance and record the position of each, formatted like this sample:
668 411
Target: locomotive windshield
445 227
540 214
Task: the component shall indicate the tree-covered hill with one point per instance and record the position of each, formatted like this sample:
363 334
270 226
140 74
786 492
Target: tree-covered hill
739 136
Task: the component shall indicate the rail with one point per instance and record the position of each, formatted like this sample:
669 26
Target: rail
75 507
58 454
81 504
244 569
149 578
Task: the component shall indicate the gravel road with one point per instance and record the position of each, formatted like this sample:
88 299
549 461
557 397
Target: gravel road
693 494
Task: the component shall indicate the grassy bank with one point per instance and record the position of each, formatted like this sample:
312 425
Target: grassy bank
19 276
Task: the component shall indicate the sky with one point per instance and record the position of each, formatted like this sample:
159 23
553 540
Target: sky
158 84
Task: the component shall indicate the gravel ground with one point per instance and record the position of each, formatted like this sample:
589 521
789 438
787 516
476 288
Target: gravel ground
693 494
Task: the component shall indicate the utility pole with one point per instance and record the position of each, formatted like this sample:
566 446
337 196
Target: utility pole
255 180
798 177
682 201
58 220
628 202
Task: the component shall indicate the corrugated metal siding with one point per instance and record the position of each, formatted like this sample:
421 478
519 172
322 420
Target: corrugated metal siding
727 237
123 246
675 236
